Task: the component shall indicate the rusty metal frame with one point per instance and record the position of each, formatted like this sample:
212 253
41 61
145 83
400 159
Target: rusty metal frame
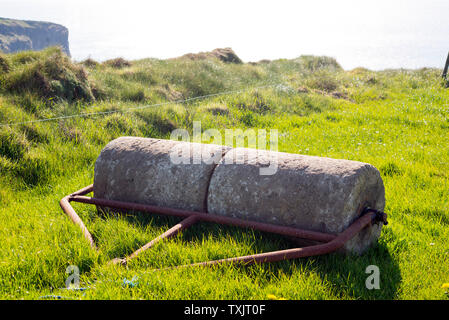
327 242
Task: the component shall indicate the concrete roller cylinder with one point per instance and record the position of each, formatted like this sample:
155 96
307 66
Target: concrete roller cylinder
313 193
307 192
143 170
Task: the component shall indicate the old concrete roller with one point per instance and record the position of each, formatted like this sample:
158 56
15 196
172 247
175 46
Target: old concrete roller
313 193
143 170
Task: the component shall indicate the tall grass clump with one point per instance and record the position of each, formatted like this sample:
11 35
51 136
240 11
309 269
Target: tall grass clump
117 63
314 63
4 64
90 63
322 80
226 55
134 94
49 74
13 145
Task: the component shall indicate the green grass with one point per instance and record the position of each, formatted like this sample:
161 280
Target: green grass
397 120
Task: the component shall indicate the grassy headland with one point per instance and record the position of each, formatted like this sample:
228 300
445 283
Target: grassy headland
397 120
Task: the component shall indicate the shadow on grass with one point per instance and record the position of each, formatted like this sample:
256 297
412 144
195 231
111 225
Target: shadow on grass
136 220
350 273
346 273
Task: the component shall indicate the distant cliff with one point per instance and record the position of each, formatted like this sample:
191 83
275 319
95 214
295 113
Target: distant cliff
19 35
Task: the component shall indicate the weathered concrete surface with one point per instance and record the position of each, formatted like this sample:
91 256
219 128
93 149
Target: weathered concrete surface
141 170
313 193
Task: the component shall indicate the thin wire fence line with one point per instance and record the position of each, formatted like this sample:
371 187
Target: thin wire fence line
89 114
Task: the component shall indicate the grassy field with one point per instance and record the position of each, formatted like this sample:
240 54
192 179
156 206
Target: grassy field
397 120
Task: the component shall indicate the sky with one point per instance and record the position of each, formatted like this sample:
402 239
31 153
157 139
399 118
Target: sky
374 34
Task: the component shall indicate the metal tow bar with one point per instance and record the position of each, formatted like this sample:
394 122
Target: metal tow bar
327 242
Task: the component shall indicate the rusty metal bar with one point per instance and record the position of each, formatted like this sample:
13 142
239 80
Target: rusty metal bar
83 191
65 205
315 250
331 242
208 217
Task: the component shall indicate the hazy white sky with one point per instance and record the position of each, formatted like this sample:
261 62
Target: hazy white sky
375 34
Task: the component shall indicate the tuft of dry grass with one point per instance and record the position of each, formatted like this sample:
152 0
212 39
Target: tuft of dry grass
90 63
117 63
226 55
